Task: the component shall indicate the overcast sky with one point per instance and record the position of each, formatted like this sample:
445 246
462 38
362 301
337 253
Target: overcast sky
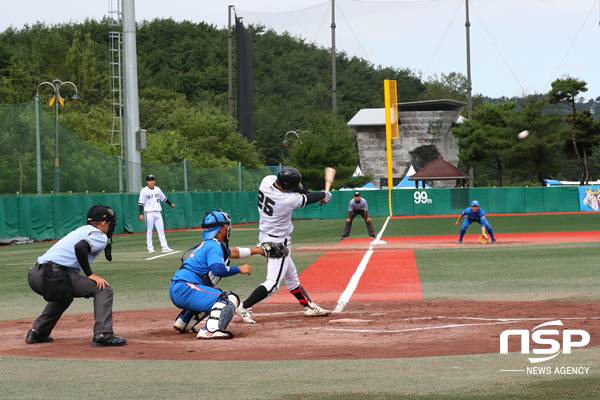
517 46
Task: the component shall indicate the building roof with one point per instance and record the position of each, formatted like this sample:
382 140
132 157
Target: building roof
439 170
376 116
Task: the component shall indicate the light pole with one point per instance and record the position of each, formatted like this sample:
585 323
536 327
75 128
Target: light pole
56 85
286 143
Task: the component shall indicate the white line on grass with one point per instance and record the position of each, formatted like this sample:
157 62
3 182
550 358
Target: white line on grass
163 255
345 297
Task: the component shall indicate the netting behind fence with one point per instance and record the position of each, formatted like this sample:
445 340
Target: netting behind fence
85 169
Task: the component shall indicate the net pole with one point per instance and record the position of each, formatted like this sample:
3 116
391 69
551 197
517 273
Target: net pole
185 176
388 139
38 145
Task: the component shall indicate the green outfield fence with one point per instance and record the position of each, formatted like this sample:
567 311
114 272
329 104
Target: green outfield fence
84 169
52 217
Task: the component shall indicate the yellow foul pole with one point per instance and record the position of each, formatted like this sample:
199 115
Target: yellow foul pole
388 138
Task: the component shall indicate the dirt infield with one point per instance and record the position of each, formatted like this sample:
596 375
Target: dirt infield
363 330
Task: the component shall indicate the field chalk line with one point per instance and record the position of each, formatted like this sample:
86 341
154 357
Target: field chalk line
347 294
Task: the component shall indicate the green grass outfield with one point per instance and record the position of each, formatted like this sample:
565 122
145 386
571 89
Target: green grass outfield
558 272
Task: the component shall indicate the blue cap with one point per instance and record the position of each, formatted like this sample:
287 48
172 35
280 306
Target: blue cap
474 203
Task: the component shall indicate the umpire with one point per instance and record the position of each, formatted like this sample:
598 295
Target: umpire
56 277
358 206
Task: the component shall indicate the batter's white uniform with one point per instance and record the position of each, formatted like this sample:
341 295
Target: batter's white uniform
275 209
150 199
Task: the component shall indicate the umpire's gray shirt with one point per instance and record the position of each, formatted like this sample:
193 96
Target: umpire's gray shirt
361 205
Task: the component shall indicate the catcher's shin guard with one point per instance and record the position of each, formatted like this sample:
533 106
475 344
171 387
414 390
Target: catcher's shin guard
222 313
190 326
301 295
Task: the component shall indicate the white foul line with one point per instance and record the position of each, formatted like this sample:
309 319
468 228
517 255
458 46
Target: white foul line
345 297
163 255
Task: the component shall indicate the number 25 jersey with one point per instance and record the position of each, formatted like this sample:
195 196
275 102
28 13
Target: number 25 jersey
275 208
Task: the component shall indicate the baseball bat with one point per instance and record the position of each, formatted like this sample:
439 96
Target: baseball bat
329 175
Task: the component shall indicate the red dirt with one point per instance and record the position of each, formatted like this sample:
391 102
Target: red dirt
363 330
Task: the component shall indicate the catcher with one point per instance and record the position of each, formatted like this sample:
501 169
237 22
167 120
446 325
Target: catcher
475 214
193 288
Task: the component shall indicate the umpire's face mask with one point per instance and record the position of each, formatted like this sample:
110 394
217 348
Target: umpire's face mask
112 224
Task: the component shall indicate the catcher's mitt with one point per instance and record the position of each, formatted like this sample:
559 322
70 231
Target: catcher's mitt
483 239
273 249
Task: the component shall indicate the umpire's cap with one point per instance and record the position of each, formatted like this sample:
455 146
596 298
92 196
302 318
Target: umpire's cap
289 179
150 178
101 213
474 203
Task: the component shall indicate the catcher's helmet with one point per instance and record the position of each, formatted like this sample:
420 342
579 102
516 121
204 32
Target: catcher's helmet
213 221
289 178
150 178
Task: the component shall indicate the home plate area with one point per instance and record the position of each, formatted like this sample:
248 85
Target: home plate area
366 330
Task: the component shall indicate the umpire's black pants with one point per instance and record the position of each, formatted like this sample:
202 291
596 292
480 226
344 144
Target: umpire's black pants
348 226
82 287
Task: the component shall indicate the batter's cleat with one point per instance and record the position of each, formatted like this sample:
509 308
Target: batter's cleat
460 241
204 334
181 327
108 340
34 337
494 241
244 314
167 250
316 311
150 251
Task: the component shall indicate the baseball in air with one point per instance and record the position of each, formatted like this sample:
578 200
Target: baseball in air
523 135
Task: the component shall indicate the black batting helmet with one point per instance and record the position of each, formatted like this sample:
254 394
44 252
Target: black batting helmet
289 178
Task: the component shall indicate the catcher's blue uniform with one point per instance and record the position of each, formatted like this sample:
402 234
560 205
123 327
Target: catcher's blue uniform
470 217
192 287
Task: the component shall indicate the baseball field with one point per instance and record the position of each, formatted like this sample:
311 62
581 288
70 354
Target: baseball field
419 317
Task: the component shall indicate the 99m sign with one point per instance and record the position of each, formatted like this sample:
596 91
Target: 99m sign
421 197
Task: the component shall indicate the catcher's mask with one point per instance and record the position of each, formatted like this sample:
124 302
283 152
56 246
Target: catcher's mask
289 179
104 213
212 223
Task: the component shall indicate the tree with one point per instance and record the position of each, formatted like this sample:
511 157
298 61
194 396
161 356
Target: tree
484 139
565 91
587 132
538 153
329 142
452 86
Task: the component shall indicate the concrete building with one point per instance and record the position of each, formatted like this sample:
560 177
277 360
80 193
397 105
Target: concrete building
424 136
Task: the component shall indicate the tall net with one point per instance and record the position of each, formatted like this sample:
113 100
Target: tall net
82 167
86 170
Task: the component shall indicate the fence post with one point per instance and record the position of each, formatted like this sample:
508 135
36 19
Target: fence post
38 145
185 178
120 174
240 175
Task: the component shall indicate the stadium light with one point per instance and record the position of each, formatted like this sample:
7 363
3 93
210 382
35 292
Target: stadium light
56 85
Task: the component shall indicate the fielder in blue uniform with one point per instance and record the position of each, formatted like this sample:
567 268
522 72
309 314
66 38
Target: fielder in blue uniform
474 214
193 286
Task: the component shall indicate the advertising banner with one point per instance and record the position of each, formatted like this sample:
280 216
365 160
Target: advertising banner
589 198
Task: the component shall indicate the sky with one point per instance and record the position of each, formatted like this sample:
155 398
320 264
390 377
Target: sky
517 46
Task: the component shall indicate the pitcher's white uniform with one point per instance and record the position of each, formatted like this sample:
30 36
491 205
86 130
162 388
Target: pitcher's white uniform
275 210
150 199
